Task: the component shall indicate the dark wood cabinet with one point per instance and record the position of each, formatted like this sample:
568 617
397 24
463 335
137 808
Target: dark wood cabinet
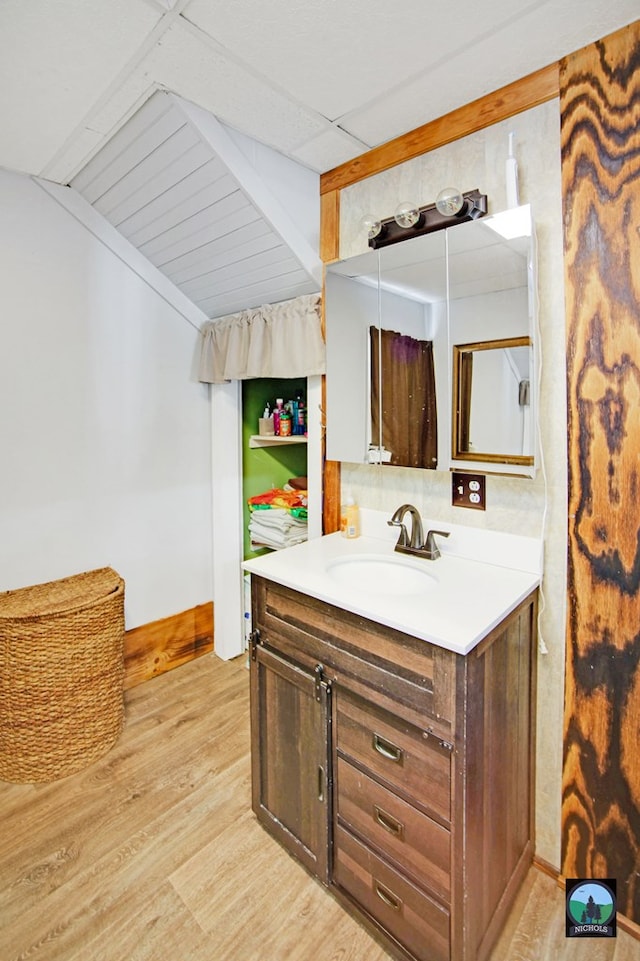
409 766
291 765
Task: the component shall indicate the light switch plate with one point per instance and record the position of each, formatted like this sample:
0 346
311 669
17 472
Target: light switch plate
468 490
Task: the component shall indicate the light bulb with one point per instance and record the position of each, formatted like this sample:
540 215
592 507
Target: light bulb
407 214
449 202
372 225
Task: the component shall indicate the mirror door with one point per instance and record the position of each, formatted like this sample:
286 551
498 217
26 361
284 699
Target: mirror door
492 331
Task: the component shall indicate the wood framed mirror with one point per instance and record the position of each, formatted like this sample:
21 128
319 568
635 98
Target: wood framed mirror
492 417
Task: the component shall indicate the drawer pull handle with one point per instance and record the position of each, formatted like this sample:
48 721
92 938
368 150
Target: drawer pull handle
388 822
387 897
387 749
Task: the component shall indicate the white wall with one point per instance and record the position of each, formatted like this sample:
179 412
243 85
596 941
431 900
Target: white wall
104 431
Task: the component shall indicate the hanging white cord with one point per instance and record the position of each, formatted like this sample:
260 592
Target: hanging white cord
542 647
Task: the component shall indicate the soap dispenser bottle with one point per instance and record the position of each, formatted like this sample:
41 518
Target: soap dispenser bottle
279 410
349 518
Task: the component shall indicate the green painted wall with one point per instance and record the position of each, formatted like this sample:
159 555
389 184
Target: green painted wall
266 467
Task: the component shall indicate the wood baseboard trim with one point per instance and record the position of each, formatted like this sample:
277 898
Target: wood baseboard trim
549 869
625 923
160 646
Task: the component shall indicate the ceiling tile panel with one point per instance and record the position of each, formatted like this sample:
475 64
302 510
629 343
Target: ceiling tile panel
56 60
331 148
334 56
486 65
186 62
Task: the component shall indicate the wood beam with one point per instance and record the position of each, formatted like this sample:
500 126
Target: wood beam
530 91
600 137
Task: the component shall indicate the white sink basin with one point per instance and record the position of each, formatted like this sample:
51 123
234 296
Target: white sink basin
381 575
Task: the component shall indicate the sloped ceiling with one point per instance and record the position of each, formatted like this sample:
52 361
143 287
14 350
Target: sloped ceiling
175 185
318 81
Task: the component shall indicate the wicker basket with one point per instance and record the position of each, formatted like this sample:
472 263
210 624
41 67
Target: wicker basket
61 675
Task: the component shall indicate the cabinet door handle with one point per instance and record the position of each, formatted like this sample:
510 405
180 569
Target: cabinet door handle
388 822
387 897
320 783
387 749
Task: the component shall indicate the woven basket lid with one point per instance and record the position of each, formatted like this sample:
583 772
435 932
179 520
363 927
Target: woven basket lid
56 597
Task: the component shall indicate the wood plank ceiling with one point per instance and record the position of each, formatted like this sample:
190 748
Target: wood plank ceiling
161 184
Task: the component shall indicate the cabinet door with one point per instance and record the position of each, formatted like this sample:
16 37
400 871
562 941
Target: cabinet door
290 720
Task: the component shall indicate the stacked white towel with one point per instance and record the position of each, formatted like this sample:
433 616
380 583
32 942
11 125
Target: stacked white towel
276 528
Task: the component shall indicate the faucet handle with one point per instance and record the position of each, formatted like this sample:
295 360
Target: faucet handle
403 537
431 548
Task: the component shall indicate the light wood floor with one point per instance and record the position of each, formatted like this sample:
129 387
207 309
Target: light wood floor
153 854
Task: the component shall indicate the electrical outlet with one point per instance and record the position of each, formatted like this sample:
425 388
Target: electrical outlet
468 490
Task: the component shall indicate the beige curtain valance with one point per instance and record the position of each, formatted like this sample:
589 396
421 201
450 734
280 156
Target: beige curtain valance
275 340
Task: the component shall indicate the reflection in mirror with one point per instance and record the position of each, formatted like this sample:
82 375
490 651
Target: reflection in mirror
403 399
405 369
351 306
492 397
390 305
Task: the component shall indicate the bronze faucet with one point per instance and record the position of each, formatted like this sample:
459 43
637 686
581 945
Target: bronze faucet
415 544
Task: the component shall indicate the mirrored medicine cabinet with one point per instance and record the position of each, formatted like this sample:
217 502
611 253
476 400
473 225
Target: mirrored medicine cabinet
432 350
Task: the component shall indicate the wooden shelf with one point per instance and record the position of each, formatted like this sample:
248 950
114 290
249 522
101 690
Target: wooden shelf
271 440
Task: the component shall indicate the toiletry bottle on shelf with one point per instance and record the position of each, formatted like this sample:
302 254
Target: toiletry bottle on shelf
301 425
292 407
279 409
265 423
285 423
349 518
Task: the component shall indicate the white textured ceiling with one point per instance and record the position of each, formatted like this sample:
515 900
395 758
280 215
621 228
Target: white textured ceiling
319 80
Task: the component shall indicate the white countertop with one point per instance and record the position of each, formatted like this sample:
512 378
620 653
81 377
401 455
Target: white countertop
479 578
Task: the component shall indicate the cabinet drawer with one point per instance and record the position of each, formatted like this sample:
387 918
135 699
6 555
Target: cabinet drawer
408 672
409 915
414 841
407 760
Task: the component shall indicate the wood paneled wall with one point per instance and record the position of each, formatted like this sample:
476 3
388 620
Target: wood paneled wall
600 116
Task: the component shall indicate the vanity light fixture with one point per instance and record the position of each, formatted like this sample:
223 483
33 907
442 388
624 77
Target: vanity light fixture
409 220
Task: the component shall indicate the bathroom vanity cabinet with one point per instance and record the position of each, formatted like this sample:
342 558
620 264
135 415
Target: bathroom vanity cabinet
400 773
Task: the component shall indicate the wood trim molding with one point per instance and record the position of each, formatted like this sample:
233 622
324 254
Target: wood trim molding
523 94
330 226
158 647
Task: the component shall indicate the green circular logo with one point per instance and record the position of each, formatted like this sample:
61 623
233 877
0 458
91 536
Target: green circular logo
590 903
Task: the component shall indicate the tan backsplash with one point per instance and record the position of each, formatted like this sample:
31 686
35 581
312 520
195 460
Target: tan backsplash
514 505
